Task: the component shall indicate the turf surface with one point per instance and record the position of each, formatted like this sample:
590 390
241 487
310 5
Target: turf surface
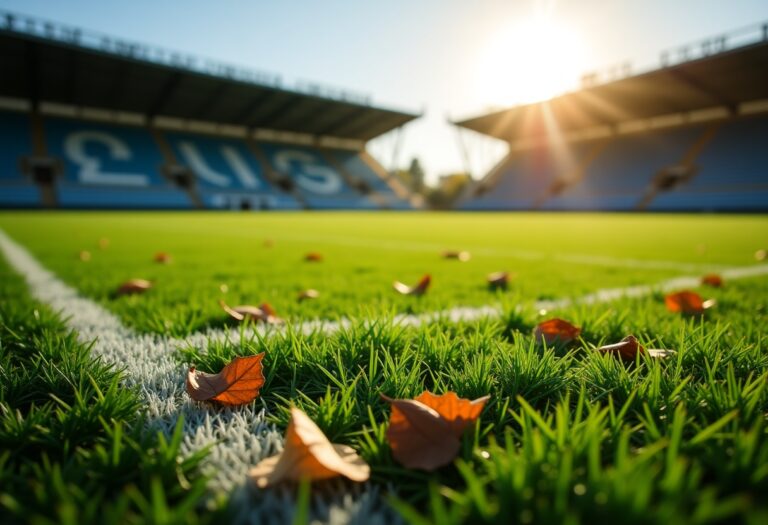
568 436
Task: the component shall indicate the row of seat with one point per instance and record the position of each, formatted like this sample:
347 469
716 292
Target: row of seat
722 167
107 165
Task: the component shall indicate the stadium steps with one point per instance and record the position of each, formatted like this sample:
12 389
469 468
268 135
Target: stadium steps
563 182
170 162
271 175
352 181
686 167
396 186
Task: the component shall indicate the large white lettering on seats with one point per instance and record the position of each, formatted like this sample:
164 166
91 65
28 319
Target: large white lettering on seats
312 177
90 171
231 156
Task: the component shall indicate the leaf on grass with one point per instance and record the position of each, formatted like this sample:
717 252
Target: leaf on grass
238 383
760 255
462 255
85 255
425 432
103 243
420 288
264 312
308 294
268 243
313 257
309 455
498 280
556 331
134 286
713 280
629 347
687 302
163 258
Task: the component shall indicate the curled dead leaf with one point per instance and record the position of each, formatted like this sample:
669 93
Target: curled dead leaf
309 455
85 256
687 302
713 280
134 286
163 258
419 289
264 312
313 257
462 255
556 331
425 432
629 347
498 280
238 383
308 294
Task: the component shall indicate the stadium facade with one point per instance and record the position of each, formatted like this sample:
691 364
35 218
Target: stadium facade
90 121
691 135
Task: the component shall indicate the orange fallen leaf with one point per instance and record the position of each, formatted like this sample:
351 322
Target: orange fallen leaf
627 348
687 302
713 280
419 289
556 330
462 256
308 294
309 455
498 280
238 383
85 256
103 243
163 258
425 432
264 312
134 286
313 257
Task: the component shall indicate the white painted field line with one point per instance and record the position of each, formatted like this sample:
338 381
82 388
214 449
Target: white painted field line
239 439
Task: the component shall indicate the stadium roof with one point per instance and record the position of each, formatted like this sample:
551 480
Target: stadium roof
720 77
42 61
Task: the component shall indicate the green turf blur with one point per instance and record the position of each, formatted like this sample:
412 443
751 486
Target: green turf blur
363 254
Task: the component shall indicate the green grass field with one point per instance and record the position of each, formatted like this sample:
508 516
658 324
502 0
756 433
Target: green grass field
569 435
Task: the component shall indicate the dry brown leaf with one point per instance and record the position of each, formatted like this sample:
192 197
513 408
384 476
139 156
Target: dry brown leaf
237 383
134 286
712 280
419 289
462 255
313 257
85 256
103 243
309 455
498 280
556 330
308 294
425 432
627 348
687 302
163 258
264 312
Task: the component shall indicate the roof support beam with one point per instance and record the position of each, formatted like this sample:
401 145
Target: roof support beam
698 85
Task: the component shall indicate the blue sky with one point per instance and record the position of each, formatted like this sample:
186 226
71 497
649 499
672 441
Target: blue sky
445 58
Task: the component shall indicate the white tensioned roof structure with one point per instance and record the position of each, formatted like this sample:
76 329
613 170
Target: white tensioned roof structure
45 62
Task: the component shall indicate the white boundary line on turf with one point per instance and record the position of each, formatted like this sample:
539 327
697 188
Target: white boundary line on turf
240 438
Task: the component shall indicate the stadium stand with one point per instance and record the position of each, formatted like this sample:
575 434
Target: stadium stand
15 142
689 136
98 122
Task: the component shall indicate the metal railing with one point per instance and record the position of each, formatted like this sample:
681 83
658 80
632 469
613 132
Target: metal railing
741 37
56 32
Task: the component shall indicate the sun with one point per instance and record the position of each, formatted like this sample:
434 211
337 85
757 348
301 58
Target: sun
531 60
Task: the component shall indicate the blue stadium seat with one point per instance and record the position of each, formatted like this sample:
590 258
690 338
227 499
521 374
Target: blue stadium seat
231 200
359 169
104 154
321 186
620 174
96 197
15 142
19 194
